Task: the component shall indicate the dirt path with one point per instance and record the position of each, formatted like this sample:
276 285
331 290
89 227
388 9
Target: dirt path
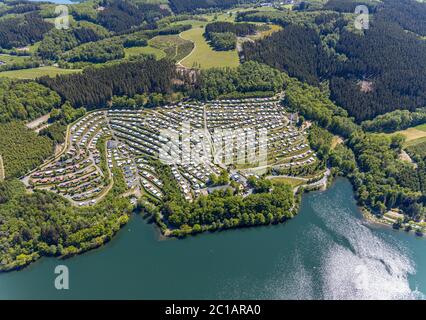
36 122
404 156
2 173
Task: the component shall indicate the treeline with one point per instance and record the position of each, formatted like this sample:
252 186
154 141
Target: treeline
59 119
17 7
295 49
22 149
45 224
409 14
146 100
381 70
418 153
25 100
311 19
95 87
247 77
395 121
55 42
21 64
95 52
180 6
315 104
222 41
119 15
22 30
239 29
350 5
222 36
140 38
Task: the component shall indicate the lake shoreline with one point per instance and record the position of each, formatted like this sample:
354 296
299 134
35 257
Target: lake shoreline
371 218
284 261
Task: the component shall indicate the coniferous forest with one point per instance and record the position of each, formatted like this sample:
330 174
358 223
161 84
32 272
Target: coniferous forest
96 86
373 72
22 30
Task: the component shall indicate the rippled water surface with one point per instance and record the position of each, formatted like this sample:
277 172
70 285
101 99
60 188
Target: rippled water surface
326 252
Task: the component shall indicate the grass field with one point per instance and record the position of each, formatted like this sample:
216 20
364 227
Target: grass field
229 15
203 56
266 33
175 47
33 48
36 72
415 142
158 53
9 59
293 182
414 135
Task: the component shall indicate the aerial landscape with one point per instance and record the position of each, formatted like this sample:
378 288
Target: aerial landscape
213 149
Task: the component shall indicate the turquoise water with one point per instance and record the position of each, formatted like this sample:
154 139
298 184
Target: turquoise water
326 252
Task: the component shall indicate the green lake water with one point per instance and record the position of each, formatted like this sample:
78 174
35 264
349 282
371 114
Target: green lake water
327 252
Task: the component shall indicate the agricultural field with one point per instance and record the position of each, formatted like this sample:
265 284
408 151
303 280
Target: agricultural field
158 53
203 56
414 135
294 182
10 59
34 73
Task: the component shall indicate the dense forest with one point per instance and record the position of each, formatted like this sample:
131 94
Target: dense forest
22 30
222 41
295 49
22 149
410 15
19 7
395 121
219 210
390 61
95 86
378 71
180 6
350 5
25 100
239 29
122 15
58 121
248 77
55 42
381 180
95 52
45 224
